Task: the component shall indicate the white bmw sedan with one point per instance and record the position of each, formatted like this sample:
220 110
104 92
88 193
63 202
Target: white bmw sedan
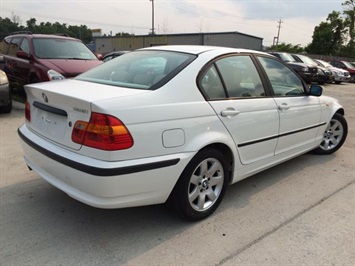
174 124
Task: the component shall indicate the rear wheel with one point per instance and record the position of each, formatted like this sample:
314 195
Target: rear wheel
7 108
202 185
334 135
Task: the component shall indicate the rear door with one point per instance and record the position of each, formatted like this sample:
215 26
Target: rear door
299 113
236 93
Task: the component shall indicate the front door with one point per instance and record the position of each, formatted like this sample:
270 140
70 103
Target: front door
299 113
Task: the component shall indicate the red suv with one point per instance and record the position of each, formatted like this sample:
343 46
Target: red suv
31 58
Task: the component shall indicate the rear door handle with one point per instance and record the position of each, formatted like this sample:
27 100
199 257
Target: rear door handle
283 107
229 112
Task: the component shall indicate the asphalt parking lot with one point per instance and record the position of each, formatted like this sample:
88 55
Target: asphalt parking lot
300 212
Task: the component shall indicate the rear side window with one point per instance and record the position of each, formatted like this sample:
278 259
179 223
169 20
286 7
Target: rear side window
139 70
232 77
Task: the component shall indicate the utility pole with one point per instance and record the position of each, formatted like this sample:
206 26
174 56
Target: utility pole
278 32
153 31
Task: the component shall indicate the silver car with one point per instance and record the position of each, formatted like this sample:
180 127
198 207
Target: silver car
340 75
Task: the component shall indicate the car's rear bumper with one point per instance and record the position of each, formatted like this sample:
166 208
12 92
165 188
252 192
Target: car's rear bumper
100 183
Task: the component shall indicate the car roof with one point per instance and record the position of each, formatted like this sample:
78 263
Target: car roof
278 52
53 36
198 49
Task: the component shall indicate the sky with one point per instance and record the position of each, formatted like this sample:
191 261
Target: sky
254 17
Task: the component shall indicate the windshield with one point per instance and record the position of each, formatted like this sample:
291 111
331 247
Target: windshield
287 58
324 64
307 60
139 69
53 48
348 65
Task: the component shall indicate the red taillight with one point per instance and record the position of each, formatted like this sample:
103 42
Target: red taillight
103 132
28 111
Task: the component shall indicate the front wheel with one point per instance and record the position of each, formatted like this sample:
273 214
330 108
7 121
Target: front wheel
202 185
334 135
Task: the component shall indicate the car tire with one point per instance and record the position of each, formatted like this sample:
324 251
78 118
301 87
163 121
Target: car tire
202 185
8 107
337 82
334 135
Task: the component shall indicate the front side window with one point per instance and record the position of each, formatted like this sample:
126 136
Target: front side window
55 48
283 81
25 46
139 70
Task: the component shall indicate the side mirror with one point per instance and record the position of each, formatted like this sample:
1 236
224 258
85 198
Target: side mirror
2 59
315 90
23 55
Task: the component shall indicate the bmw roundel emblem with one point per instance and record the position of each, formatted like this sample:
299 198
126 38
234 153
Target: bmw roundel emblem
44 96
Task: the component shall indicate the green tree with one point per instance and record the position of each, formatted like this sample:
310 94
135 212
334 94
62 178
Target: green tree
328 37
289 48
349 13
7 26
335 36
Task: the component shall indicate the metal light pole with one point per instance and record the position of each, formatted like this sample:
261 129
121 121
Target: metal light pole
153 31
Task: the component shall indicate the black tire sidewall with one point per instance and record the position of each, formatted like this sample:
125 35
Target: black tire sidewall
343 122
181 200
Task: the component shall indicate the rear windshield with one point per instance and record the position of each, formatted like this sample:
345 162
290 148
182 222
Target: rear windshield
61 49
146 70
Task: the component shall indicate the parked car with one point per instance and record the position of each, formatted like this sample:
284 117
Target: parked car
112 55
31 58
174 124
5 94
340 75
324 76
308 74
345 65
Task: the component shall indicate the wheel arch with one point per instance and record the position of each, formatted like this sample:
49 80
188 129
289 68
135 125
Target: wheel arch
225 149
340 111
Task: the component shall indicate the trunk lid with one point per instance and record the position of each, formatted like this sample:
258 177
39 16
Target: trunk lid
56 106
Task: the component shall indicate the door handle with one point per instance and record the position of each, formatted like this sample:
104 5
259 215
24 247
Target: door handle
283 107
229 112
